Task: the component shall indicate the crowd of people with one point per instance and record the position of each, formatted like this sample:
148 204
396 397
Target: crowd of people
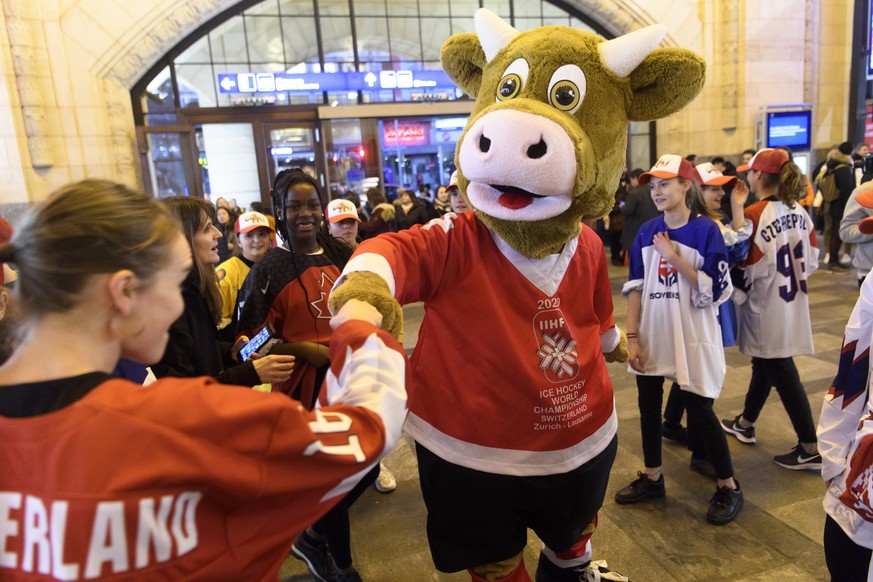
183 285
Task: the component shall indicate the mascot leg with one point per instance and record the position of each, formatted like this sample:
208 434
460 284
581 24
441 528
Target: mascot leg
509 570
569 564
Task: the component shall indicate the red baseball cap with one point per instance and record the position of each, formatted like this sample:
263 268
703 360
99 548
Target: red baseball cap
669 166
767 160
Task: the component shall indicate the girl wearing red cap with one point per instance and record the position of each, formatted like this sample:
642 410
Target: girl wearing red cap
782 255
678 277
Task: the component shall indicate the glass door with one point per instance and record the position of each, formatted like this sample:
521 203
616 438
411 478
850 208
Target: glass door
293 145
229 164
169 161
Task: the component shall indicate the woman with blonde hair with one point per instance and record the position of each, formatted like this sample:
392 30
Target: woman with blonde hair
182 479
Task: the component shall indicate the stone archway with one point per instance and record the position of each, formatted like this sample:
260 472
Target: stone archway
138 48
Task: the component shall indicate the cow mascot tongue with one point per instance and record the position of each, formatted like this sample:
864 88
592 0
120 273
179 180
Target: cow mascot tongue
511 405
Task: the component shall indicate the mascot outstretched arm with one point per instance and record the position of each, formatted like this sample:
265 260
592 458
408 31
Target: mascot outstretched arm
509 377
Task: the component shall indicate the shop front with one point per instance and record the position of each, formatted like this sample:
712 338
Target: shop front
349 90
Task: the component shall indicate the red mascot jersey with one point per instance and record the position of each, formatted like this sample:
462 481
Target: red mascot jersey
508 372
186 479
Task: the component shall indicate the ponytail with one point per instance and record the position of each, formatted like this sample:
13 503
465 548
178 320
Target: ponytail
790 183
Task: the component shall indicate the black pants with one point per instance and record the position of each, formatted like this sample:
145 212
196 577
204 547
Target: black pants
476 518
675 407
702 423
847 561
781 373
335 527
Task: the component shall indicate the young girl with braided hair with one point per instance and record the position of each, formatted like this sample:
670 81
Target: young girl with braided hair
288 289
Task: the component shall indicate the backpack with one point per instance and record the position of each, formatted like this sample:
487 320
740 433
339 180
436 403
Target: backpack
827 184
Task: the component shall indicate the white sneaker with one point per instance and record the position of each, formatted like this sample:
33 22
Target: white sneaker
385 482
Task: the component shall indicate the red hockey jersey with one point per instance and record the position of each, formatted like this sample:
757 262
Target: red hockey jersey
184 479
508 372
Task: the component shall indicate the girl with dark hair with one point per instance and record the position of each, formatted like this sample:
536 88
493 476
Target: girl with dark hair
188 479
288 289
772 281
194 348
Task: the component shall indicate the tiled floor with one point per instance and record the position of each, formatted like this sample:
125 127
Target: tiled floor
777 537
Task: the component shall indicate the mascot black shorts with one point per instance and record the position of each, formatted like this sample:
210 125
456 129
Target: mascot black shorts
476 518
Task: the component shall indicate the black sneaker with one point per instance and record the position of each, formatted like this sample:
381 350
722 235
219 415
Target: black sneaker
317 558
725 504
798 460
704 466
675 433
744 435
352 576
640 490
590 572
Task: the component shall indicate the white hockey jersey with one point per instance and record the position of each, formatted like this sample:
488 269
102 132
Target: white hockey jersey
679 333
845 429
772 301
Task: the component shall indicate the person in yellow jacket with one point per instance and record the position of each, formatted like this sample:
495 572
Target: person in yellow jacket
253 231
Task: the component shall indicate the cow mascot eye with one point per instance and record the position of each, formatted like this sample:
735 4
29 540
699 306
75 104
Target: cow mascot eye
513 80
567 88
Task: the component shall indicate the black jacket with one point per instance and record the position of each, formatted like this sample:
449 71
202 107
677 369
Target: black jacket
194 348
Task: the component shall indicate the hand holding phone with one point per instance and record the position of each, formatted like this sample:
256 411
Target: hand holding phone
259 344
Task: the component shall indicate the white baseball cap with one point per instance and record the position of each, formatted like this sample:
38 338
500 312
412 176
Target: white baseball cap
340 209
249 221
707 175
669 166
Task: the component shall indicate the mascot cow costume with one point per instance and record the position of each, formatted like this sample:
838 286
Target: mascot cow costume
511 406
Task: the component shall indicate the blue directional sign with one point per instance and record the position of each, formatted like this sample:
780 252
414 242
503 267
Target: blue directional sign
308 82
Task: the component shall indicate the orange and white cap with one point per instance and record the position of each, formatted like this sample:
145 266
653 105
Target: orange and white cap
669 166
340 209
707 175
767 160
249 221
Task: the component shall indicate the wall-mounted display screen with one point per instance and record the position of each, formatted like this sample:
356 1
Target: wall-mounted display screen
789 128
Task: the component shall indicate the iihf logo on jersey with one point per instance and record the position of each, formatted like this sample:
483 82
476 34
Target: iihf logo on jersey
557 348
667 275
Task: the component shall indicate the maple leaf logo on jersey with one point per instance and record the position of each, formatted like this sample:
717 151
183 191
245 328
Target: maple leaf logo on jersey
860 479
667 275
559 355
320 304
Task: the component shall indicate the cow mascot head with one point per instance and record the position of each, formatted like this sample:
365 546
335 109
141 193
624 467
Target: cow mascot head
545 145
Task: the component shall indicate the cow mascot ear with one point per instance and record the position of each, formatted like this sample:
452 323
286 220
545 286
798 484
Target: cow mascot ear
463 59
666 81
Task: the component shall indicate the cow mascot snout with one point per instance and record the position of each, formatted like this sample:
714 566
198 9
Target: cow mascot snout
511 406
